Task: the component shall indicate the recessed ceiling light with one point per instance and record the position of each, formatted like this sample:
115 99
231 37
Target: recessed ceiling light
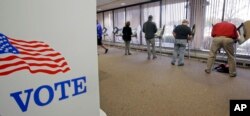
123 4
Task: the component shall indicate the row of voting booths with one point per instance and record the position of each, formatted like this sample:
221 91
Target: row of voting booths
117 34
243 29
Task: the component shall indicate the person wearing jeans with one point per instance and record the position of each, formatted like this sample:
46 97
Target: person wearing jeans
181 33
149 28
179 50
224 34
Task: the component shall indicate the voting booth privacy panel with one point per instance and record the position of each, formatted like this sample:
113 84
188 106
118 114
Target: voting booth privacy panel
48 58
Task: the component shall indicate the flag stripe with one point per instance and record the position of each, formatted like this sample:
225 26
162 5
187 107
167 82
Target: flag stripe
31 58
41 54
38 54
44 58
43 50
30 45
33 67
31 48
29 42
32 64
34 71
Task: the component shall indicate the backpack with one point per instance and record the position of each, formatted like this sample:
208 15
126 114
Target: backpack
223 68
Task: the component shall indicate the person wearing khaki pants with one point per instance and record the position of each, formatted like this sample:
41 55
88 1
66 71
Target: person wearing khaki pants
224 34
227 45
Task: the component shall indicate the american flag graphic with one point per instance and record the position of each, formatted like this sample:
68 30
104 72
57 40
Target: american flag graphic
35 56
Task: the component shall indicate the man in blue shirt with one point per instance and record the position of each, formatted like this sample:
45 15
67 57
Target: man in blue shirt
99 37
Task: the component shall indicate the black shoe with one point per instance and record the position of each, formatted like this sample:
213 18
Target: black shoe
180 64
172 63
207 71
129 54
106 51
154 57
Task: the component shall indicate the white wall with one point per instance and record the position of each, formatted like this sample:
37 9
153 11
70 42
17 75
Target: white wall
69 27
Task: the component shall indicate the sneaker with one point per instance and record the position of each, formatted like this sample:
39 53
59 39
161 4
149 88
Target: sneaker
232 75
180 64
172 63
207 71
129 54
154 57
106 51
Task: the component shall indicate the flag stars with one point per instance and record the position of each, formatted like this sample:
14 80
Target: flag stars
2 37
6 50
6 46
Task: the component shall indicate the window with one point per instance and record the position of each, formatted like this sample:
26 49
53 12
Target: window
119 22
213 15
237 12
133 15
154 10
173 12
108 24
99 18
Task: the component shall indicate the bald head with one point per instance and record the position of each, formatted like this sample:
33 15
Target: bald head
185 21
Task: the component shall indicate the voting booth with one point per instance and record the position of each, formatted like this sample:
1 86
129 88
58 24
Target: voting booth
244 31
48 56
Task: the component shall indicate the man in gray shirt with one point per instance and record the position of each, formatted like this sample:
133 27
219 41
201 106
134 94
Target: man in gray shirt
149 28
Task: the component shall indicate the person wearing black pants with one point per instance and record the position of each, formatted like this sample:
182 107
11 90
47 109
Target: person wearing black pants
99 37
127 32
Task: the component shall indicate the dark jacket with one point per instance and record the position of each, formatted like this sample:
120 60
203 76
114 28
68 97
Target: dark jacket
149 28
127 32
182 32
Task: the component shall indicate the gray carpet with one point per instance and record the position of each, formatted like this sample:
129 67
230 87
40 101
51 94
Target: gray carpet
135 86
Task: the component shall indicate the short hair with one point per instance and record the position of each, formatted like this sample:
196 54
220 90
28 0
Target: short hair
127 24
150 17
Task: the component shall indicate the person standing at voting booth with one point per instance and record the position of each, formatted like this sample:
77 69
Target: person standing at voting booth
181 34
126 36
224 36
99 37
149 28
